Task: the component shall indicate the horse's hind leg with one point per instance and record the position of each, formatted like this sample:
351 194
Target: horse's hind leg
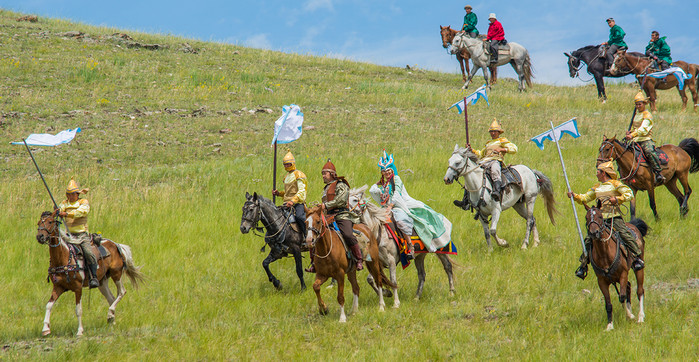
394 280
624 288
47 317
446 263
121 291
420 267
341 296
528 215
298 259
651 199
681 199
487 234
104 289
79 310
640 293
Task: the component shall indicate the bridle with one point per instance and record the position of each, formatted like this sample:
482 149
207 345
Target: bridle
53 230
320 232
464 170
614 156
611 269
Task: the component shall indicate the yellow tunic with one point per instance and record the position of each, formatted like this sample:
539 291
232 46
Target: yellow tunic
603 191
76 220
488 153
294 187
642 126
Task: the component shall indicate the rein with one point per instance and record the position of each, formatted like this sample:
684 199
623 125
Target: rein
325 229
634 165
61 269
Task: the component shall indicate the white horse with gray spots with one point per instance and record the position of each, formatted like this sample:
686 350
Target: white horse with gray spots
463 162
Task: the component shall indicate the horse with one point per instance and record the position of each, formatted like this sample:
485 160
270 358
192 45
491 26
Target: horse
462 54
463 162
683 159
517 56
332 260
640 66
278 234
374 217
609 264
594 57
66 270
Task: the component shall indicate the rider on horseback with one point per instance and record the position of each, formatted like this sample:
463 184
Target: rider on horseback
492 157
335 200
658 49
294 194
470 22
75 210
641 129
610 193
496 36
615 42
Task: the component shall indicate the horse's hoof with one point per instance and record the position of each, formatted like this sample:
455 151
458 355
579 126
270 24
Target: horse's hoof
381 308
641 317
396 305
504 244
610 326
110 320
387 293
343 319
46 332
631 316
524 246
324 311
451 293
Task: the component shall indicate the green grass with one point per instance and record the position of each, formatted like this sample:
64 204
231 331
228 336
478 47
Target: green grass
166 182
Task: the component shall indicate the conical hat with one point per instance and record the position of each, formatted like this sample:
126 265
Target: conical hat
72 187
640 97
495 126
329 167
289 158
608 168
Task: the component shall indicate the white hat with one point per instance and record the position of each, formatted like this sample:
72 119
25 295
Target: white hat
492 16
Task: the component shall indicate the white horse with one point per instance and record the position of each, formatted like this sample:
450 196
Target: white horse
518 57
374 217
463 162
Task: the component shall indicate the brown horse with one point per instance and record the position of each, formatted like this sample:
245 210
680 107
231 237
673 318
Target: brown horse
462 55
683 159
611 266
643 65
332 261
66 269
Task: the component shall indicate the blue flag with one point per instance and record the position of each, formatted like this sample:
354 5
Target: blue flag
49 140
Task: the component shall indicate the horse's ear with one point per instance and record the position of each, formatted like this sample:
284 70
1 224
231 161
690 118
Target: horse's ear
247 195
604 137
566 54
254 196
456 147
362 189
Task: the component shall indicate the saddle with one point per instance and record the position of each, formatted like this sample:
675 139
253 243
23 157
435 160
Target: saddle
502 48
642 160
78 251
508 175
361 240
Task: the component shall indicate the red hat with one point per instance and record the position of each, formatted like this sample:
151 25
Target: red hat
329 167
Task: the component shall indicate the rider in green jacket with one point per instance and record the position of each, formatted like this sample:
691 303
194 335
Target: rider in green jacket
658 49
615 42
470 22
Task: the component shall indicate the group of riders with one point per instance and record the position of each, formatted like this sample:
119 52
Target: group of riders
495 36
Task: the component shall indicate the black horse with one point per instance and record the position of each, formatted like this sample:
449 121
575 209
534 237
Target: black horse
594 57
279 234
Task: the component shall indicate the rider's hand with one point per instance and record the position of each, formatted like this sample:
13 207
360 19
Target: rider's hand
63 214
275 192
628 135
288 204
569 194
613 200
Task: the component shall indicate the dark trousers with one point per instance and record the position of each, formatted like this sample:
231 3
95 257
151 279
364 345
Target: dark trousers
648 146
611 50
494 46
300 216
346 231
472 34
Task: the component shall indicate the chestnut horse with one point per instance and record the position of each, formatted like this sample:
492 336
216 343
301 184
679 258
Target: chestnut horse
332 260
611 266
66 269
462 54
683 159
642 66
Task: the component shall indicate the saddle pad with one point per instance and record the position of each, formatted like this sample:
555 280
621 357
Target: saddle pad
421 249
511 176
103 252
641 158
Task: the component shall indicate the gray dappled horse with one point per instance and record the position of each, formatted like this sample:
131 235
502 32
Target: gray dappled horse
518 57
278 233
374 217
463 162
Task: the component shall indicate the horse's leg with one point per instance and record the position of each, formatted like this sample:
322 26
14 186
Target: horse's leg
470 75
522 211
519 70
599 81
394 280
273 256
487 234
298 258
352 277
652 97
57 291
79 310
494 228
682 176
420 267
632 205
446 263
604 287
461 63
651 199
683 95
341 295
672 187
121 291
623 295
320 279
640 292
104 289
485 76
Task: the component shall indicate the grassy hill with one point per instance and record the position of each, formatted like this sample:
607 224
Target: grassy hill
169 179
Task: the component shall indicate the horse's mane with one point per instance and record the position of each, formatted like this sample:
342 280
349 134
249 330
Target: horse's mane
46 213
375 212
464 152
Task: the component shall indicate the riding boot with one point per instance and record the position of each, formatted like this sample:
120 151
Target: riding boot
496 191
410 252
581 272
637 263
464 203
357 255
659 179
312 268
94 283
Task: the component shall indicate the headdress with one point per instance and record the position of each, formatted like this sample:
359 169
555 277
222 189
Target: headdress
640 97
468 7
610 19
386 162
289 158
73 187
607 167
495 126
329 167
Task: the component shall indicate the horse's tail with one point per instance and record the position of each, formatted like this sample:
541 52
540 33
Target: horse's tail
528 70
640 225
132 271
691 146
546 188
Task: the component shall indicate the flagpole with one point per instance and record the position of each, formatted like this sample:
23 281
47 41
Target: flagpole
274 174
565 174
40 174
466 120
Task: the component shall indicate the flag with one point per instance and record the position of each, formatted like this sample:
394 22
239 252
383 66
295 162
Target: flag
288 127
676 71
45 139
472 99
569 127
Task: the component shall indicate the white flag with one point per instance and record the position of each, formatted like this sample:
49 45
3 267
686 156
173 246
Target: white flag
288 127
676 71
569 127
472 99
45 139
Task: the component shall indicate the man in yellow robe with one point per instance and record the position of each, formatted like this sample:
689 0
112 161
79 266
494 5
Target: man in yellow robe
493 155
294 193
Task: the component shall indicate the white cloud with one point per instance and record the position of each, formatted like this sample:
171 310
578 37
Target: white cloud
313 5
258 41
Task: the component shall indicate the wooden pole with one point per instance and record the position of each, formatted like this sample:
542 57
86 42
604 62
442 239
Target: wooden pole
274 173
44 180
565 174
466 120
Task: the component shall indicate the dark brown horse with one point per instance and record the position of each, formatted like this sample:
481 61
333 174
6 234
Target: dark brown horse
643 65
331 261
683 159
66 269
462 55
611 266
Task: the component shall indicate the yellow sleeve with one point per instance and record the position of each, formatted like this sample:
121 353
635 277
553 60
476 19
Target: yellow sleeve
281 192
509 146
586 197
645 127
62 206
479 153
625 191
300 196
82 210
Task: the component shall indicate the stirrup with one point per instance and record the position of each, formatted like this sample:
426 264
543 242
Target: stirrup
94 283
637 264
311 269
581 272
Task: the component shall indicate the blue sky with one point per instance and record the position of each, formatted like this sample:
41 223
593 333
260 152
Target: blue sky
395 33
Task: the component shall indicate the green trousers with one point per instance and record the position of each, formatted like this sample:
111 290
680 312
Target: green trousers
651 157
626 235
86 245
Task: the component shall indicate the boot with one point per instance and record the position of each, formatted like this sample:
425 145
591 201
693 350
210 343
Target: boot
659 179
357 255
302 228
637 264
464 203
496 191
94 283
312 268
581 272
410 253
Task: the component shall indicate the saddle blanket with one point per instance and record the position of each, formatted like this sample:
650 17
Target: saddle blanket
418 247
641 158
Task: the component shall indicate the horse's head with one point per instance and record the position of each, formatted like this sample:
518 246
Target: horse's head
620 62
573 65
447 34
314 223
594 222
47 227
606 150
462 161
251 213
356 200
